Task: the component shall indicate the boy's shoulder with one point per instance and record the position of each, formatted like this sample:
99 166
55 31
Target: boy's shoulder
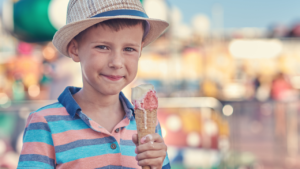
50 109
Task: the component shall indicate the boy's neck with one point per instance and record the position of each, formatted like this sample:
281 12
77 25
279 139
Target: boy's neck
104 104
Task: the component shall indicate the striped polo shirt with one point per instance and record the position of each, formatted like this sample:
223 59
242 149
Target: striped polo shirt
61 136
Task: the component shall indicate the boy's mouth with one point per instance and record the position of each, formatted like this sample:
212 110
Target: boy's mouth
113 77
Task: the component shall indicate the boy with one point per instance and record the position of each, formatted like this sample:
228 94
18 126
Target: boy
94 126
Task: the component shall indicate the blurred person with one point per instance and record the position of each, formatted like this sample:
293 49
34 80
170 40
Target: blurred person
281 89
262 88
94 126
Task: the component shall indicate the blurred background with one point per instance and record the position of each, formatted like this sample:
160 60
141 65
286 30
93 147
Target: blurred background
227 74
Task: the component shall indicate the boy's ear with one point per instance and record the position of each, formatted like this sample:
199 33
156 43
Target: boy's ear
73 50
142 46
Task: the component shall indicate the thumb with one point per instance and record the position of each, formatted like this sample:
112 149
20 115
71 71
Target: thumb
135 139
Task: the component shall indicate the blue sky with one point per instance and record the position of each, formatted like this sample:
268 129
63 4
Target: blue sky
244 13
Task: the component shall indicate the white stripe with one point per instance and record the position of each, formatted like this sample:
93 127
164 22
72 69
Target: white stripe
116 3
77 13
129 4
123 3
81 10
103 5
94 5
72 14
99 6
87 7
109 4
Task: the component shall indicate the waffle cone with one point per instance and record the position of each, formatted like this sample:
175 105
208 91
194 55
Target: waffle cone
140 124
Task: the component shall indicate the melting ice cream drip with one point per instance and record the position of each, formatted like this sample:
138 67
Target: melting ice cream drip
145 118
138 105
144 98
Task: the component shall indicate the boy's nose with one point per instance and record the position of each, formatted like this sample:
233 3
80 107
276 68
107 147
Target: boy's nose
116 60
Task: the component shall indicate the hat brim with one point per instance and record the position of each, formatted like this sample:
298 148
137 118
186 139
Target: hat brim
65 34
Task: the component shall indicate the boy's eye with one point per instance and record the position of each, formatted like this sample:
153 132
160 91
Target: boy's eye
102 47
129 49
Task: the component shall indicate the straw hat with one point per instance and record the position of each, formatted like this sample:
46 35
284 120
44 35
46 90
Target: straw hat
82 14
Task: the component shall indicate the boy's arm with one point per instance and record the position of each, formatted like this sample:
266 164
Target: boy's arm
38 150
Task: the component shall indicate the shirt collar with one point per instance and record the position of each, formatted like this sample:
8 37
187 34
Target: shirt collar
67 100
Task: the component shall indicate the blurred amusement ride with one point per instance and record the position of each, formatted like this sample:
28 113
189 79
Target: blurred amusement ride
228 99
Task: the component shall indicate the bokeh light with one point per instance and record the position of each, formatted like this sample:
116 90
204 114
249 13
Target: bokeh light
34 90
193 139
174 123
227 110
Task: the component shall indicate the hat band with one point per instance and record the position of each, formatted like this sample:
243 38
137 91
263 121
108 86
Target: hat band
121 12
126 12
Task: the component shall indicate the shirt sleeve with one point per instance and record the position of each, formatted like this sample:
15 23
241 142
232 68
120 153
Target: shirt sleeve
38 150
166 163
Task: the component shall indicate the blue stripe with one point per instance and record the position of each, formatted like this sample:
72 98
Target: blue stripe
62 126
128 151
166 160
168 166
38 136
50 106
126 142
114 167
81 143
121 12
59 117
132 125
38 126
86 151
158 129
33 165
37 157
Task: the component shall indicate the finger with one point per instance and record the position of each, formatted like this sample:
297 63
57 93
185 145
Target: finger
135 139
151 154
153 162
151 146
152 137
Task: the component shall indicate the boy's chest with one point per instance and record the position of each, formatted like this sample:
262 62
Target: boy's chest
82 144
108 123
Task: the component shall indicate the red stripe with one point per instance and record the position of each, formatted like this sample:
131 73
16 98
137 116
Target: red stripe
73 135
38 148
129 161
39 116
93 162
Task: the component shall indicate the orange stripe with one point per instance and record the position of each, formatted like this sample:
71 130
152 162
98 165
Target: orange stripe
38 148
129 161
36 119
93 162
39 116
54 111
73 135
127 134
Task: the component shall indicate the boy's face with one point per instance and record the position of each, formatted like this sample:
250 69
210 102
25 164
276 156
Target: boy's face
109 59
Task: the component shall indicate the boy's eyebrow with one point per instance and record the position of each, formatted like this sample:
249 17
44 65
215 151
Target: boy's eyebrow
132 44
101 42
126 44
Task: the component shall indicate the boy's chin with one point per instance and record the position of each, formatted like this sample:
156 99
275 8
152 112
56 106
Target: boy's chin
110 92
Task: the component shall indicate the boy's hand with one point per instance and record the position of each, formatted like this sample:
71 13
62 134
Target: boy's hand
151 152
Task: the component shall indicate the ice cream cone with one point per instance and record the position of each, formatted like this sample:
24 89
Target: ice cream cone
148 128
145 103
145 127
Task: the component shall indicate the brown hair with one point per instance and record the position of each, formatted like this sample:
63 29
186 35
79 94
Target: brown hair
116 25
